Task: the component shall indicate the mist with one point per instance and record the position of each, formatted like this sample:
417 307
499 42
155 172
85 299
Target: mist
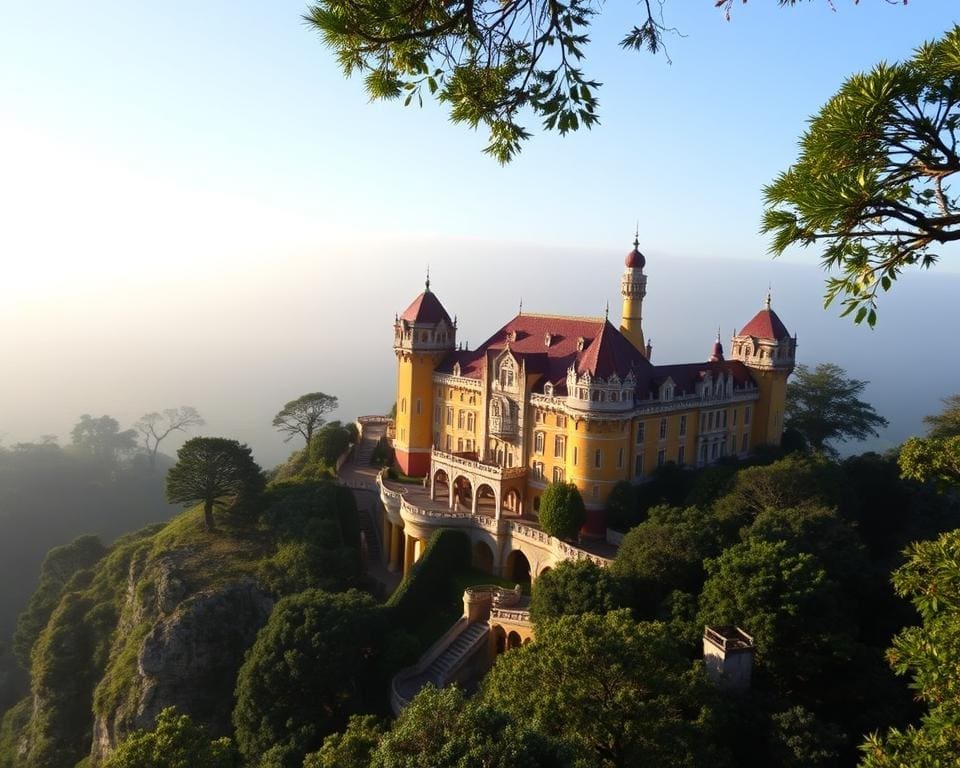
241 337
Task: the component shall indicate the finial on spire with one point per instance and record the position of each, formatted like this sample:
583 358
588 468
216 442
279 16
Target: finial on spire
428 279
521 306
718 333
636 236
767 302
606 311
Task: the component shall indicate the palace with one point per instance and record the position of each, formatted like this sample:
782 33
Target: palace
552 398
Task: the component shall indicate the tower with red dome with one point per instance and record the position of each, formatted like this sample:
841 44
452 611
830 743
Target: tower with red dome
766 347
633 287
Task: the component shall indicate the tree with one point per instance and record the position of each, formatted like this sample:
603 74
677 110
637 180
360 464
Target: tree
155 427
102 439
304 415
329 442
618 692
305 674
440 729
871 179
488 61
175 742
947 422
932 460
208 469
562 512
622 506
574 587
784 600
824 405
931 654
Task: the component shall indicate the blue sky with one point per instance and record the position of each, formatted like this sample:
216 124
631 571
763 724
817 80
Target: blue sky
178 176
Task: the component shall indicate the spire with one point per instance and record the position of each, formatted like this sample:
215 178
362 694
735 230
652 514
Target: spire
767 302
606 312
636 236
521 306
427 285
717 355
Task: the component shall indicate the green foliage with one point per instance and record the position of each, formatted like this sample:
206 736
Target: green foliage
932 460
304 416
574 587
800 740
621 509
617 692
101 439
60 564
12 726
824 405
930 653
175 742
871 179
562 512
663 553
444 729
351 749
784 600
382 455
329 443
947 422
305 674
211 468
447 552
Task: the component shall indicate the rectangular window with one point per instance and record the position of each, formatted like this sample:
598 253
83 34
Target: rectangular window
734 417
538 442
557 475
746 443
538 470
713 451
640 432
620 459
461 419
449 443
661 457
436 414
575 455
560 447
469 446
470 422
449 416
561 421
703 422
663 429
683 426
724 418
710 421
436 440
746 415
681 455
538 417
459 445
597 458
703 453
638 465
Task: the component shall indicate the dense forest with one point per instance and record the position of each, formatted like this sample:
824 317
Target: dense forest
254 639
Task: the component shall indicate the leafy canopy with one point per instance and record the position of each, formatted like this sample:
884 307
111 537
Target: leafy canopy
947 422
574 587
175 742
488 61
304 416
931 459
209 469
823 404
562 511
871 181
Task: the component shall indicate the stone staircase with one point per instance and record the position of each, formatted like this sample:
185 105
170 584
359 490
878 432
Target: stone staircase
443 668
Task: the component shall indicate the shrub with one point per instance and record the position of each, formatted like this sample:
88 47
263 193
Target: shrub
562 512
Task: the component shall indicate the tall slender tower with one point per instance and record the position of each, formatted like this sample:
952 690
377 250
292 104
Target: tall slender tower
766 347
633 287
422 336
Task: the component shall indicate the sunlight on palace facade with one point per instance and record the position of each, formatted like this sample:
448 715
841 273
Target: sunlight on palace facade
554 398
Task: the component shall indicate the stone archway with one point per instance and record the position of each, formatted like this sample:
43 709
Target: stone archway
482 557
462 493
513 502
486 501
499 640
517 567
514 640
441 486
545 569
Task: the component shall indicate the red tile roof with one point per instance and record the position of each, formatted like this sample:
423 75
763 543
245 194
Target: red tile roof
686 375
611 353
766 325
426 308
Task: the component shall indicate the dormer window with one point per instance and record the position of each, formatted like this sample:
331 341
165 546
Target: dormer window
581 342
547 338
456 369
507 373
548 390
511 336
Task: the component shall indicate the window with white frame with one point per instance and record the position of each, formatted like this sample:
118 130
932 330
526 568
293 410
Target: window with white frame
663 429
560 447
661 457
598 458
638 465
449 415
558 474
538 470
640 432
683 426
538 440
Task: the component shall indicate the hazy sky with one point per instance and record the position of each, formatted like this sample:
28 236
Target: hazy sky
196 208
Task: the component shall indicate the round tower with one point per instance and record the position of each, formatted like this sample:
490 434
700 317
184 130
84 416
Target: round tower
633 287
422 337
766 347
